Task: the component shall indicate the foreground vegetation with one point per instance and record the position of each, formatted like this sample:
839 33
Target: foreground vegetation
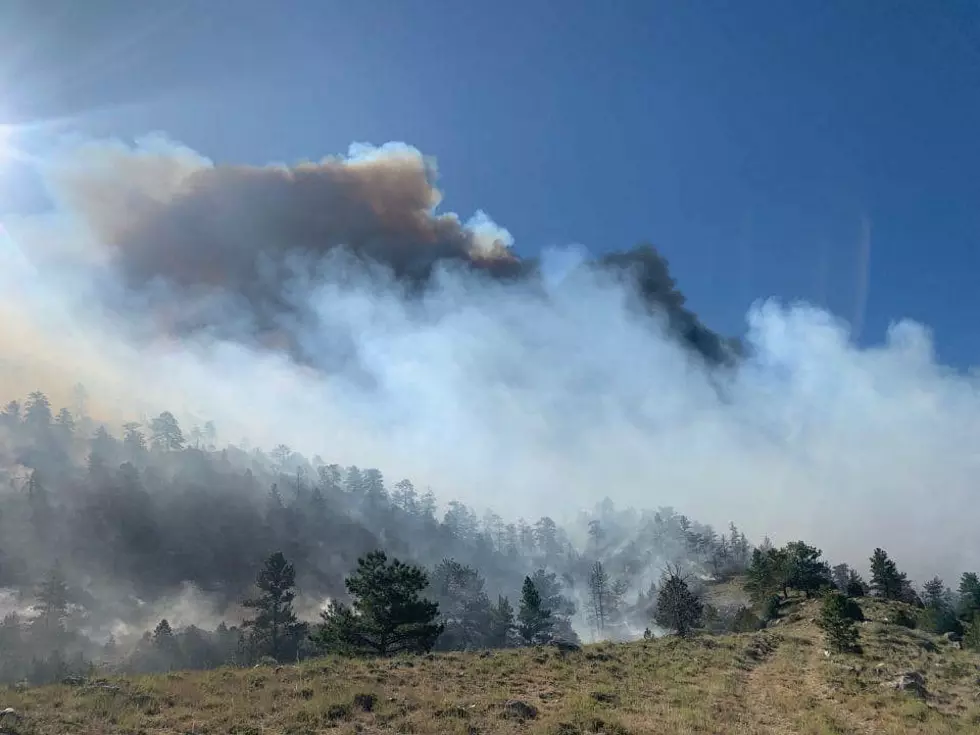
777 680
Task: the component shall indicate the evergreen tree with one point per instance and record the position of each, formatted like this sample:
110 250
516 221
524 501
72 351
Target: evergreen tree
767 574
886 580
840 575
275 628
934 593
534 620
465 610
938 614
562 608
856 586
166 432
501 624
969 595
971 637
37 414
599 593
10 417
678 608
387 616
837 621
133 439
52 601
166 646
804 570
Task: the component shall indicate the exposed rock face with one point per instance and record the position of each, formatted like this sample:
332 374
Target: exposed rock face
911 681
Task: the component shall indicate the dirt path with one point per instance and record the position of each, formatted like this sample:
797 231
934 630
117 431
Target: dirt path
785 688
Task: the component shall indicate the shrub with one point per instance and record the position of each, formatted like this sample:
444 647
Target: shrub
745 621
837 622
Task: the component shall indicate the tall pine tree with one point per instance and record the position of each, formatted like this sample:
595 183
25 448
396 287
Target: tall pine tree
886 580
678 608
387 615
275 629
534 620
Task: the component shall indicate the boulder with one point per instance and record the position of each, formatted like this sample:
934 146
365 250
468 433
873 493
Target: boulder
519 710
910 681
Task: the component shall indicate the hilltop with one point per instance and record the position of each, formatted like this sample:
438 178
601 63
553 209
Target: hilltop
777 680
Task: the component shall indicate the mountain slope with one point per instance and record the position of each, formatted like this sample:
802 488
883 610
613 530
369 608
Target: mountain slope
778 680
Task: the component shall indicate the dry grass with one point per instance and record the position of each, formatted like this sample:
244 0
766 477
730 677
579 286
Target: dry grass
774 681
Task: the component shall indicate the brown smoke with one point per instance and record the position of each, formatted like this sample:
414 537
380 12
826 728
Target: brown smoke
231 227
229 247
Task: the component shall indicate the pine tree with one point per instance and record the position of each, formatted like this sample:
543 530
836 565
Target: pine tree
534 621
52 601
971 637
934 593
465 610
804 570
501 623
133 439
678 608
165 644
167 435
275 627
840 574
939 614
387 616
855 586
969 595
766 575
886 580
837 621
37 413
598 598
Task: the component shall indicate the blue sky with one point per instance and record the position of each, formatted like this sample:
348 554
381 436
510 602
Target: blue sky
825 151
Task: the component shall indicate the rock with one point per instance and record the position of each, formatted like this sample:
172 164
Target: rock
519 710
9 713
953 637
112 688
565 646
910 681
826 653
73 681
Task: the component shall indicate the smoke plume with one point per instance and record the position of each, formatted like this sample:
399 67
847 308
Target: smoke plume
331 307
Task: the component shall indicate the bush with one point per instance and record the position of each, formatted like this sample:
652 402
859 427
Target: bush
938 621
971 638
852 610
837 622
904 618
745 621
770 610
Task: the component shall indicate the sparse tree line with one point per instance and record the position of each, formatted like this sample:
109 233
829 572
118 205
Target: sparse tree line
798 567
93 527
127 520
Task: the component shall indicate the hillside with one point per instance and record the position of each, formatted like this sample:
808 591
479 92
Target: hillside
778 680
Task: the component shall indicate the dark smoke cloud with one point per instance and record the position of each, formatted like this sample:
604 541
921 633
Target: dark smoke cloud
235 248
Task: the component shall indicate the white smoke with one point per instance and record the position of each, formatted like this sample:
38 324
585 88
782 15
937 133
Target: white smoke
495 395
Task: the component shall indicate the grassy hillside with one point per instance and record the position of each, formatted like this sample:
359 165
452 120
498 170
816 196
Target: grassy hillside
775 681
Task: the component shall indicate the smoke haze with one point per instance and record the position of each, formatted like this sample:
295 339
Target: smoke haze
328 306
